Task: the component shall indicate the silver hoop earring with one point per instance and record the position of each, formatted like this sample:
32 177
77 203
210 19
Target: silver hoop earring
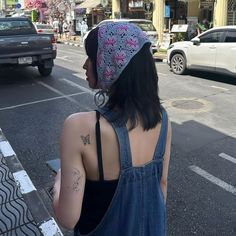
100 98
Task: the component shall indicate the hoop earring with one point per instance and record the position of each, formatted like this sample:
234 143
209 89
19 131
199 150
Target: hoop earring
100 98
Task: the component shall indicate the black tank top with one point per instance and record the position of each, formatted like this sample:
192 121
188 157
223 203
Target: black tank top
97 194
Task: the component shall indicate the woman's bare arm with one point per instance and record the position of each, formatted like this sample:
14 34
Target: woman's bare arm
70 182
166 162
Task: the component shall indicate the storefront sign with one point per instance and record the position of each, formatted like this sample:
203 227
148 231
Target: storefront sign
167 11
206 4
179 28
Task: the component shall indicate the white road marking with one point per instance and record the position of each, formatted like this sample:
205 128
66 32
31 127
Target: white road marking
79 86
49 228
40 101
227 157
64 58
217 87
159 73
6 149
24 182
213 179
58 92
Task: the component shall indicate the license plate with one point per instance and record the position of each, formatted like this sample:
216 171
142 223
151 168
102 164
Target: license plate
25 60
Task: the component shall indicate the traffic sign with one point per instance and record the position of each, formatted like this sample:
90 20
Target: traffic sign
18 5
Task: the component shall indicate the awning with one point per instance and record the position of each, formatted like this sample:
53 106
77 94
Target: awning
89 4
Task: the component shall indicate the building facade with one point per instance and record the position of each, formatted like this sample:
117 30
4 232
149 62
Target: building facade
166 13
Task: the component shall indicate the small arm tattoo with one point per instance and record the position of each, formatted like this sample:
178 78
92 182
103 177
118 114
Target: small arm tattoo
77 177
85 139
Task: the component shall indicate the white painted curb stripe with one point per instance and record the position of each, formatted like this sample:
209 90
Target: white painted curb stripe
228 157
6 149
24 182
50 228
213 179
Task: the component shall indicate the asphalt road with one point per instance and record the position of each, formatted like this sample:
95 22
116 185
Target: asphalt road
201 107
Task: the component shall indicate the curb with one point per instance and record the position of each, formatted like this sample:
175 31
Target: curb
71 44
45 223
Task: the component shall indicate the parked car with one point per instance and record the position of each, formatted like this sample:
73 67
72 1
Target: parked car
45 29
214 50
145 25
21 45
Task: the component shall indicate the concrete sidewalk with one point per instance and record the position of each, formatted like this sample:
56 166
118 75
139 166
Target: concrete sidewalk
21 209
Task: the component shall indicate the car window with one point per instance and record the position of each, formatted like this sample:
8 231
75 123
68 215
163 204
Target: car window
13 27
230 37
144 25
44 26
212 37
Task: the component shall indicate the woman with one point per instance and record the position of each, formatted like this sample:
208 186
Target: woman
114 161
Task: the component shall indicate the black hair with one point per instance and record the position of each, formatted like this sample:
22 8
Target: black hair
91 48
135 93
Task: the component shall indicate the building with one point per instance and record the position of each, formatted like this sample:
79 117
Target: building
166 13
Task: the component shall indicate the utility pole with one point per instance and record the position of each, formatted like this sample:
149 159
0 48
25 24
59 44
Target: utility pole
2 7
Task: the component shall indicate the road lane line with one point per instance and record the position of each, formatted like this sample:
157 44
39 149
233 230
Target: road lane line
58 92
40 101
79 86
217 87
227 157
159 73
213 179
64 59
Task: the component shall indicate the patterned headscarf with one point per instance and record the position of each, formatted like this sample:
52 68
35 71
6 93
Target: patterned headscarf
118 42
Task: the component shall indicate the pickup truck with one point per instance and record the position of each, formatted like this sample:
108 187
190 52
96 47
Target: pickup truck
21 45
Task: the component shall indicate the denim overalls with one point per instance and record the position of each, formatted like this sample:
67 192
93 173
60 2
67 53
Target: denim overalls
137 207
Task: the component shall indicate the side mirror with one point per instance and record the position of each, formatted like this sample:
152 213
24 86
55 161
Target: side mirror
195 41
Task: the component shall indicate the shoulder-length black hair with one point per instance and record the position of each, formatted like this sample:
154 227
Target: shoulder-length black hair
135 94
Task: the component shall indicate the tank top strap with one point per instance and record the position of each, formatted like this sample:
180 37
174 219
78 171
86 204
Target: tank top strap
161 144
122 135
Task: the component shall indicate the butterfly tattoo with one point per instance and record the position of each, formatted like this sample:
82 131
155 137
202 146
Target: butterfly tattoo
85 139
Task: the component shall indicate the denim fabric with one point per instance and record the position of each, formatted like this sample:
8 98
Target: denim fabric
137 207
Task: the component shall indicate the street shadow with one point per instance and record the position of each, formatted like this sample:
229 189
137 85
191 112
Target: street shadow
213 76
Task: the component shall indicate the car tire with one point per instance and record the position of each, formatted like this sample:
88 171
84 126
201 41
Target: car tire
178 64
44 71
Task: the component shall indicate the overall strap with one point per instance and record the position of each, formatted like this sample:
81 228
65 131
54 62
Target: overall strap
161 145
122 135
99 146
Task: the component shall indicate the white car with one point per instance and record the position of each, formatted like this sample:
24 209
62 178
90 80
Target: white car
145 25
214 50
45 29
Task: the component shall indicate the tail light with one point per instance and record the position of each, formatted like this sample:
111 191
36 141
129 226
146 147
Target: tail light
39 31
53 41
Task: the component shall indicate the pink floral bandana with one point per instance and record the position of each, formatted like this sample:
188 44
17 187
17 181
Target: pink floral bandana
118 42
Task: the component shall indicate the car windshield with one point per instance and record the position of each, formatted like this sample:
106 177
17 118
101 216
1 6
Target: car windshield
44 26
13 27
144 25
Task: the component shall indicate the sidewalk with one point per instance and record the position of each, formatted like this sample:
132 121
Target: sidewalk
22 211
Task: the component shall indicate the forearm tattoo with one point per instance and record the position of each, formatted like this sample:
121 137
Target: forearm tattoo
77 178
85 139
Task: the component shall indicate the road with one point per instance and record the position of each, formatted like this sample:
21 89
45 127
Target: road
201 107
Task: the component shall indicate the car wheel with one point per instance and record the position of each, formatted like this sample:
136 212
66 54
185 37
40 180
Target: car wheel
178 64
44 71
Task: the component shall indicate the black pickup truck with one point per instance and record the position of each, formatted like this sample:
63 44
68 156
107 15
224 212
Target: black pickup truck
21 45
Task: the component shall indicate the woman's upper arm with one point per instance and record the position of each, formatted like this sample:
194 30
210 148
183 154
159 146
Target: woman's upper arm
72 174
167 154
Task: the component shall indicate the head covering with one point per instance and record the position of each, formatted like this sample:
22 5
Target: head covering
118 42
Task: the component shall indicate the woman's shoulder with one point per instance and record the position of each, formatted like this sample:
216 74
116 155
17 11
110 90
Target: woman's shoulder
81 118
